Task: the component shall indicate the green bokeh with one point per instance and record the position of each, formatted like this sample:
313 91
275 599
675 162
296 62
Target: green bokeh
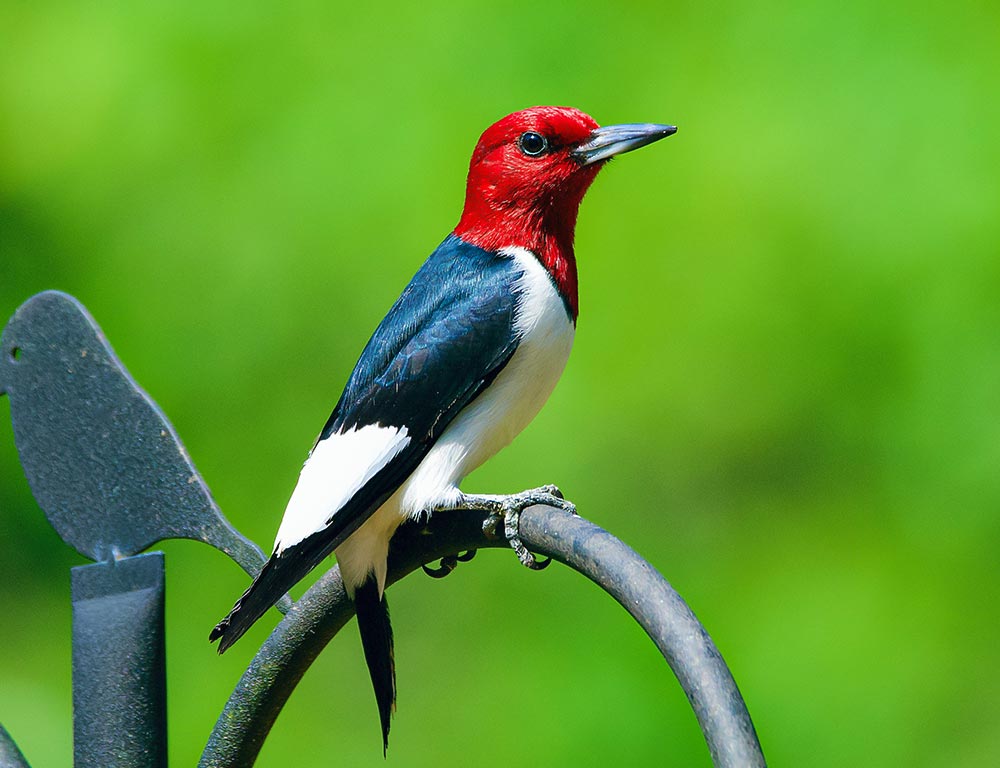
784 392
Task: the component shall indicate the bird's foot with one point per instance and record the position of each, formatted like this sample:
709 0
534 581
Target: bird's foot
448 563
508 509
511 531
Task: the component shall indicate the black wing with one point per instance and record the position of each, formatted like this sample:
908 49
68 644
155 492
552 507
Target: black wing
443 342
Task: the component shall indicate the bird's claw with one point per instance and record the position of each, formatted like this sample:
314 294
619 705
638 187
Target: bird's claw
448 563
513 506
511 523
547 495
509 508
552 490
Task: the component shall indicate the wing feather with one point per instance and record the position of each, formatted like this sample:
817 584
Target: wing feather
443 342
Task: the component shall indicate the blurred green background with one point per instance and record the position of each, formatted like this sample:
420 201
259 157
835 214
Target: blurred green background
784 390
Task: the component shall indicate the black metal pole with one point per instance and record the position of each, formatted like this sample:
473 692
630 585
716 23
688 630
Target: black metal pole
119 664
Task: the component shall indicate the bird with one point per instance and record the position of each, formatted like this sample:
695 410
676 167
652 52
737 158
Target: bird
462 362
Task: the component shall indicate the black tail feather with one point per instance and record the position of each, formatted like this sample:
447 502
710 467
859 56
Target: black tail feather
274 580
279 574
376 639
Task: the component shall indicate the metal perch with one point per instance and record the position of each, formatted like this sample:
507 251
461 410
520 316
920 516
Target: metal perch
111 474
574 541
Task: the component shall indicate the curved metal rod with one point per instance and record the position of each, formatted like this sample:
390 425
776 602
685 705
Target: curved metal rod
10 755
645 594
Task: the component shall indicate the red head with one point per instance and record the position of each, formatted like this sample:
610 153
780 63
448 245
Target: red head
527 177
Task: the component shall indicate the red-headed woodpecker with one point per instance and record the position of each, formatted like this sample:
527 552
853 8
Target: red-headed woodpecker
462 362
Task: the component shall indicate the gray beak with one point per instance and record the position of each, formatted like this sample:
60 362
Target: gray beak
614 140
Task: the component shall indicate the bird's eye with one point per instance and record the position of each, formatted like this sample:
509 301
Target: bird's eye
532 144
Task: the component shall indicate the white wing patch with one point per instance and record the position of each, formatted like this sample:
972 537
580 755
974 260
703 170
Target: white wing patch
337 469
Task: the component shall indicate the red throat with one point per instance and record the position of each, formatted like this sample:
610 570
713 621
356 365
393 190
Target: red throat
515 200
548 234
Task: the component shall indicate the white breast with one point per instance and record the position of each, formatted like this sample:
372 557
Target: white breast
510 403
